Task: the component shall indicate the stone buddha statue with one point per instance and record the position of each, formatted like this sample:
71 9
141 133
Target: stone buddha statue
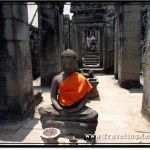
69 95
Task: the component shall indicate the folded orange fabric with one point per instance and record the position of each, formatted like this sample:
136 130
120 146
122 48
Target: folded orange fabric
73 88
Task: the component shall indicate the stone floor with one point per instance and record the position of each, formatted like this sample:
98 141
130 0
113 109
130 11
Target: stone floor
120 119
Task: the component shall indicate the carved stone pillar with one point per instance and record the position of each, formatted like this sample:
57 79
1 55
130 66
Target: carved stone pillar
49 46
117 40
75 39
101 37
16 89
61 42
104 49
129 54
146 92
79 47
71 35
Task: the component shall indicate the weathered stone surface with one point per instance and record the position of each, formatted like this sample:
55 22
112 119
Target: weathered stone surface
130 15
35 51
16 92
49 37
146 96
129 54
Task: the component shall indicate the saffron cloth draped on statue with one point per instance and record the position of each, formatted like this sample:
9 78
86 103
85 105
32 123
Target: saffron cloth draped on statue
73 88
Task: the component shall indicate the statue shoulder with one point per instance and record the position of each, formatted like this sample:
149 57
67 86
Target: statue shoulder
58 78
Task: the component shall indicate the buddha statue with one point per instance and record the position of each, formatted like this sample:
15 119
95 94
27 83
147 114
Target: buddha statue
69 95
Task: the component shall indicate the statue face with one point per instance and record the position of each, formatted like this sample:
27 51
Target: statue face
68 65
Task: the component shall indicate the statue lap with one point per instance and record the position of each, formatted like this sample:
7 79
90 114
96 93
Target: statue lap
78 124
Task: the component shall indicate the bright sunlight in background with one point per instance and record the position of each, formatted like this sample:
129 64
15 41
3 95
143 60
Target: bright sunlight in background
32 10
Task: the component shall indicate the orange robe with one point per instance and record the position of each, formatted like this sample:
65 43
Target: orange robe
73 88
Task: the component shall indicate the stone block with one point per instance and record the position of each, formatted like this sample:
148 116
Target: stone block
130 16
20 32
7 11
7 29
20 12
12 80
132 7
131 57
133 27
133 35
129 43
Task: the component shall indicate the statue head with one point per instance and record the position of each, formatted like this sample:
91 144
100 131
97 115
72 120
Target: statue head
68 61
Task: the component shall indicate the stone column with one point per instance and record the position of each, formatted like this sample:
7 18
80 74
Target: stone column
49 56
101 32
104 49
84 38
129 55
71 35
79 47
61 41
75 38
98 38
117 40
16 89
146 92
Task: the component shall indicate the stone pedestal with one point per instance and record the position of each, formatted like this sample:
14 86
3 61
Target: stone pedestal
77 124
16 89
129 54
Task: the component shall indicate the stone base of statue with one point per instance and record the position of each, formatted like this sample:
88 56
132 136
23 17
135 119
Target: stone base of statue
78 124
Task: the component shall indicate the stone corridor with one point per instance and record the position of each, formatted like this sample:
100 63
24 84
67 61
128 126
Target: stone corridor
120 119
31 56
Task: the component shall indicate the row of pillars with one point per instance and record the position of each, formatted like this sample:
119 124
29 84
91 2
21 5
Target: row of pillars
16 87
127 51
127 44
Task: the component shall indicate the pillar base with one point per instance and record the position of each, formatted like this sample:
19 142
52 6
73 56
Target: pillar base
15 116
145 114
116 76
130 84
